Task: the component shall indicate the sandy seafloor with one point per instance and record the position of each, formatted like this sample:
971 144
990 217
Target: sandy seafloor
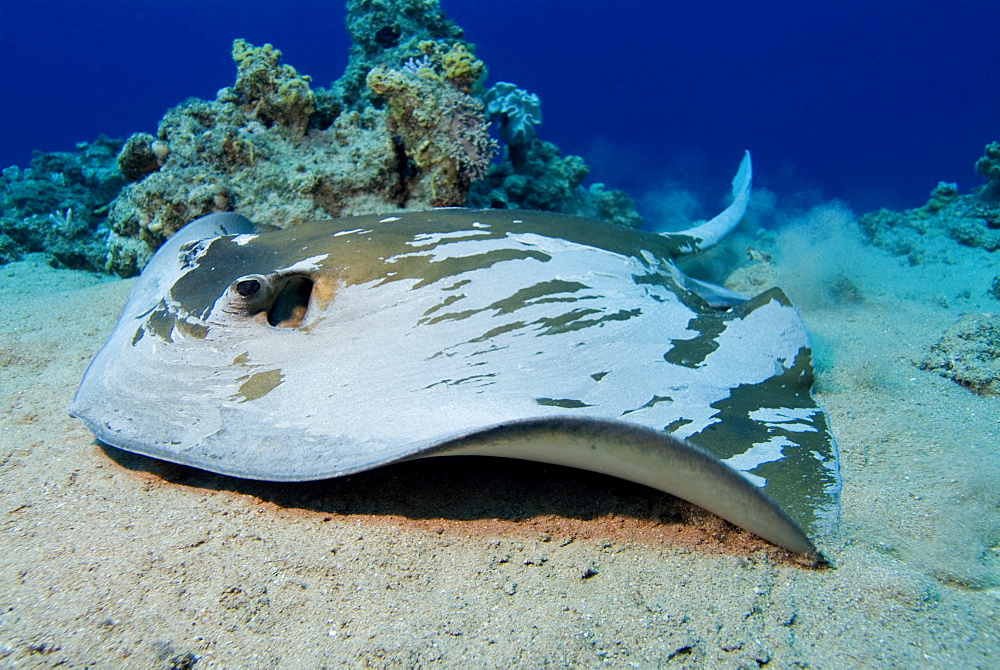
114 560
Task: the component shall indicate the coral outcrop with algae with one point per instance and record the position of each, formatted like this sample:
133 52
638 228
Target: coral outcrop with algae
406 127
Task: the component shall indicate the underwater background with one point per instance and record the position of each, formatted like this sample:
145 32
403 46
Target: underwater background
875 135
869 102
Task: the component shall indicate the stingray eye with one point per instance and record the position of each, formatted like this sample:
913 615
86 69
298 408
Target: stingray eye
281 300
248 287
253 289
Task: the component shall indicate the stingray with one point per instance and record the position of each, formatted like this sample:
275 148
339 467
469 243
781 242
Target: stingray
334 347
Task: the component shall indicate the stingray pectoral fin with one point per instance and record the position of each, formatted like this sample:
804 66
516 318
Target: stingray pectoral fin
640 455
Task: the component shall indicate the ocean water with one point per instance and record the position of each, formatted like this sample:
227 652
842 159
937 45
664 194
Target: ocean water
112 559
869 102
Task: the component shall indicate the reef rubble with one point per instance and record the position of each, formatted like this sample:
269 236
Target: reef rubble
969 353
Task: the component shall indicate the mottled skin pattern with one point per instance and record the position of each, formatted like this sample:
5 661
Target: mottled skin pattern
343 345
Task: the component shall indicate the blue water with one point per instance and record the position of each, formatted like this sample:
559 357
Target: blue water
871 102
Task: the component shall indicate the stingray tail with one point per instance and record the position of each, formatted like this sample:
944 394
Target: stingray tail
706 234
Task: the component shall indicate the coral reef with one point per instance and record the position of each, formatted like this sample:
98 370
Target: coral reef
251 148
534 174
59 205
260 147
405 127
972 220
435 123
271 92
400 130
387 32
551 182
969 353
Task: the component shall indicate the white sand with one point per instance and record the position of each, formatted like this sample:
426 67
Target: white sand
113 560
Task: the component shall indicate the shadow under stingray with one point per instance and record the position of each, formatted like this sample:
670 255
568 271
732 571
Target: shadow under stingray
501 491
